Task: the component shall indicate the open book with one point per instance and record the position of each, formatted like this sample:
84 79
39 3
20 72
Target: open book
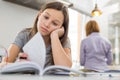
35 48
29 67
34 68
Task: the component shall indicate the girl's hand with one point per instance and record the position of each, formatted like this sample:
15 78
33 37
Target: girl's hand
59 32
23 57
2 64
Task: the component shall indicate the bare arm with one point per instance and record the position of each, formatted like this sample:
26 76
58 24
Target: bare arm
13 51
61 56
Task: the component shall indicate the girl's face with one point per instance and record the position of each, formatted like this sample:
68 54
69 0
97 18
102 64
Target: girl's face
49 20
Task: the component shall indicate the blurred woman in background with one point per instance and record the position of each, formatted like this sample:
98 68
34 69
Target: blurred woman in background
95 52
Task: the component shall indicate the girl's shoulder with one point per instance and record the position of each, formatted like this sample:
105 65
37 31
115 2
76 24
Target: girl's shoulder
26 30
24 33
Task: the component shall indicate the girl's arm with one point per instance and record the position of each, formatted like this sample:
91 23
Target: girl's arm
13 52
61 56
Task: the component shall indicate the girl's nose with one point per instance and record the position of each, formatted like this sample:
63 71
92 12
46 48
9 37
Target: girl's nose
47 23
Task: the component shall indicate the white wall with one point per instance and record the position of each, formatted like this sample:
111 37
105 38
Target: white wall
73 24
13 18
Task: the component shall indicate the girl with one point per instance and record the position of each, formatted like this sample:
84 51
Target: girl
52 22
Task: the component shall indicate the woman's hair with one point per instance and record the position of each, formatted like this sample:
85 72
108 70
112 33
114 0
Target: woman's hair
92 26
57 6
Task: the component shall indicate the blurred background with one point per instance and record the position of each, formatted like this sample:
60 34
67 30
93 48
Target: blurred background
18 14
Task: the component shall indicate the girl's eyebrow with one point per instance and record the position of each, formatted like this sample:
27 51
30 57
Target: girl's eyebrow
47 13
55 19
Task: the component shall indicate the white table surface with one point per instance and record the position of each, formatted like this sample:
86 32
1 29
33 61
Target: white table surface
53 77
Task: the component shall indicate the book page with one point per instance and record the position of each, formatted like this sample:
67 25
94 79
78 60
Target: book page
21 67
36 50
55 69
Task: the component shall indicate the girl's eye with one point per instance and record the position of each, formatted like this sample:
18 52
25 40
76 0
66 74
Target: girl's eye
46 17
55 24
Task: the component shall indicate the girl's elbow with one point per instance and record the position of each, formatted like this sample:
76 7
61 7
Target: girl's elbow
70 65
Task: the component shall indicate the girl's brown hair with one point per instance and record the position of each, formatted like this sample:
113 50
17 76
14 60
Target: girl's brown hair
57 6
92 26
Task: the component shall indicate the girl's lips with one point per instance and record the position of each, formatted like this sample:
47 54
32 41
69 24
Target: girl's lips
43 29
